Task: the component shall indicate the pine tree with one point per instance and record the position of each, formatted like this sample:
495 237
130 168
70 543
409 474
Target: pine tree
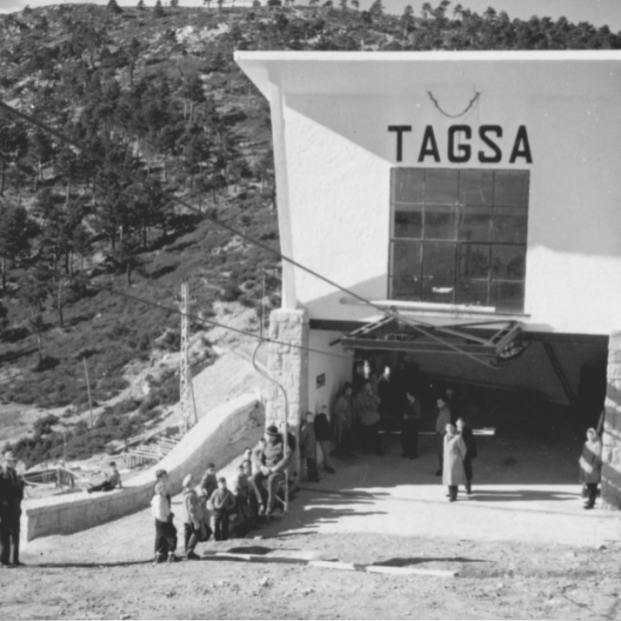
140 6
16 232
377 8
158 11
113 7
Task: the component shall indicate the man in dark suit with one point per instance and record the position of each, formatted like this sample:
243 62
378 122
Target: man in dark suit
471 451
11 496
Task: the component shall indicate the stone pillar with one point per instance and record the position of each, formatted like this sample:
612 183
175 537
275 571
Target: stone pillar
288 366
611 469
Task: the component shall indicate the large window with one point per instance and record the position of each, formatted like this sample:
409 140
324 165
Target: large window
459 236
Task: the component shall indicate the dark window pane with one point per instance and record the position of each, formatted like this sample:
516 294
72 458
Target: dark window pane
476 187
441 185
509 262
475 224
472 292
507 296
510 226
406 260
405 289
440 222
439 272
473 260
409 222
511 188
408 185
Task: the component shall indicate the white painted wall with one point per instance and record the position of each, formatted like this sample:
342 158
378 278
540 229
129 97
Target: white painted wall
334 156
336 364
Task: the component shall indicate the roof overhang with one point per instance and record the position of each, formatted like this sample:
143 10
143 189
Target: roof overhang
491 342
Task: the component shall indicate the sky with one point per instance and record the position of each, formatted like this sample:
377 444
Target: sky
598 12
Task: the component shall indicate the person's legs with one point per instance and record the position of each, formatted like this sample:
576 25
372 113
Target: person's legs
187 534
259 491
217 523
452 492
468 472
161 546
272 484
5 537
14 534
170 533
311 469
440 450
191 538
414 440
224 529
365 438
347 444
405 439
102 487
377 442
325 451
592 489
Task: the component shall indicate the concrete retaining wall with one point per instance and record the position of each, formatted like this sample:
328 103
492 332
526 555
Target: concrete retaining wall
204 442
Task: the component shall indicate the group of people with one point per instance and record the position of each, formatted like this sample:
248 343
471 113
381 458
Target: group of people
265 471
210 507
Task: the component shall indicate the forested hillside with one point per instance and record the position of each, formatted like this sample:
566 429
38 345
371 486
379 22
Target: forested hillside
158 128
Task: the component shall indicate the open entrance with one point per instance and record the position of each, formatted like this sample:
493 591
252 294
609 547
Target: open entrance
530 414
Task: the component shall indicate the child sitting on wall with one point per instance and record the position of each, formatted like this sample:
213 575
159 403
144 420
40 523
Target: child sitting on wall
113 480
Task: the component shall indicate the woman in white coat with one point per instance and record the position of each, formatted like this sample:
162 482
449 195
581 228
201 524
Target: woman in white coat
453 473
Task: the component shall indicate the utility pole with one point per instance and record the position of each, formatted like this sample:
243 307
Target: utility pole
88 390
186 390
263 306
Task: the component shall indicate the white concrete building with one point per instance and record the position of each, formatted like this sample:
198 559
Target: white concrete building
454 188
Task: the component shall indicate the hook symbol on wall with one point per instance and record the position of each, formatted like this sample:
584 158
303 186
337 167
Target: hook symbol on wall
477 94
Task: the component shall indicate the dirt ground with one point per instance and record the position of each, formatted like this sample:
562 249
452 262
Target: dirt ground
522 547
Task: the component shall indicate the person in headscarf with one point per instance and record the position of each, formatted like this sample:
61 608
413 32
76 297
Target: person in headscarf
591 466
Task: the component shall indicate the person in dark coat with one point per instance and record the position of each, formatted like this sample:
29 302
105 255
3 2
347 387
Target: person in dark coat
344 422
471 451
591 466
409 426
308 448
366 408
387 393
323 435
11 496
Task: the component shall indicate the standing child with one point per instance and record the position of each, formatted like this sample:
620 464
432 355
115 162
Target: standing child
209 482
308 450
195 525
245 515
165 531
222 502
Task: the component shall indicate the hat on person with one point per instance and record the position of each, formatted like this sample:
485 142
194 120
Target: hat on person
272 430
8 456
187 479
